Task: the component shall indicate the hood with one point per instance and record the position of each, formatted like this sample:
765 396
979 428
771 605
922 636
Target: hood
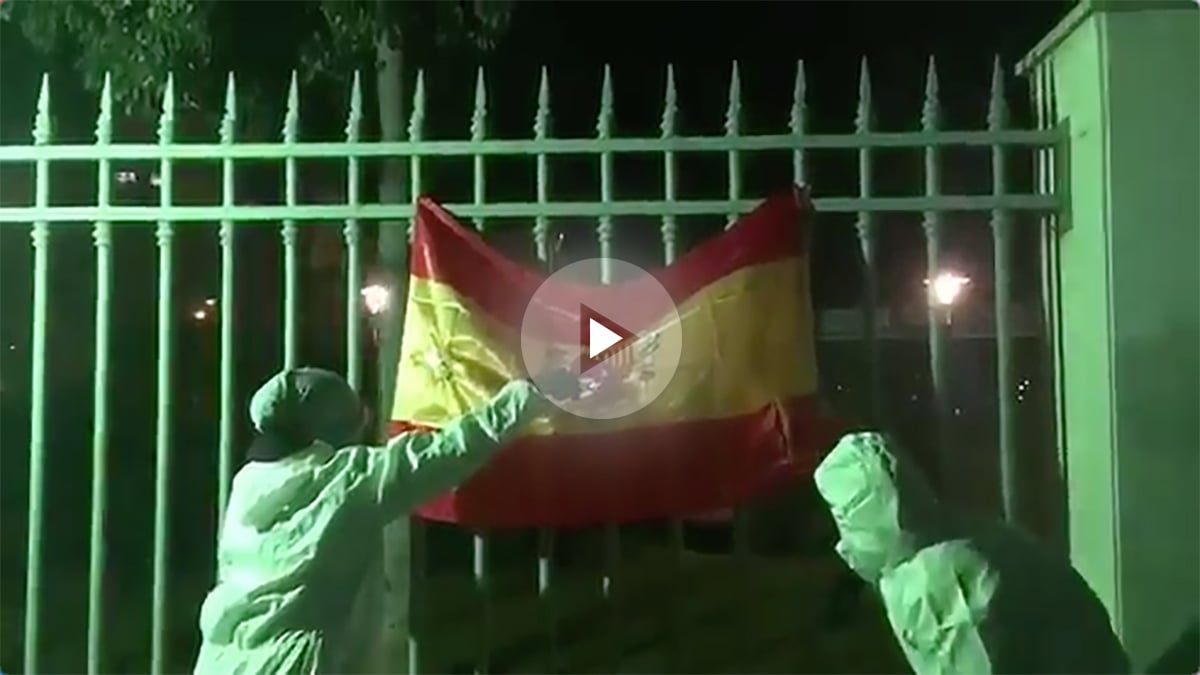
300 406
879 500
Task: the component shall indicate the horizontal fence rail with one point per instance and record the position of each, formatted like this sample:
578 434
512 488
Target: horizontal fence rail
1002 204
532 147
579 209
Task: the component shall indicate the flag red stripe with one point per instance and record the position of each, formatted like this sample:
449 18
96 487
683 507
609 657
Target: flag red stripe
688 467
446 252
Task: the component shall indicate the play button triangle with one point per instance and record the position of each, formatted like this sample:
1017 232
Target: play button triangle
601 337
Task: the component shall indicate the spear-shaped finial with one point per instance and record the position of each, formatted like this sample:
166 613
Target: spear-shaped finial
864 116
733 111
931 105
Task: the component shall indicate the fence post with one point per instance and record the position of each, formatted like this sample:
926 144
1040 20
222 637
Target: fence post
102 237
42 127
865 225
164 234
938 328
228 277
1127 88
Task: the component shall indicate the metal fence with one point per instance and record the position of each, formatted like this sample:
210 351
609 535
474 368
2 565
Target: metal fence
1002 205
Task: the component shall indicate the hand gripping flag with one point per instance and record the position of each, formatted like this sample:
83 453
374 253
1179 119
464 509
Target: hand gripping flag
739 417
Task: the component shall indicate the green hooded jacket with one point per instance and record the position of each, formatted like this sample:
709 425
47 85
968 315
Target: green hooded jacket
299 532
961 595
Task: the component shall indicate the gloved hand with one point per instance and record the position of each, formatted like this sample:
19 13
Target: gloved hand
559 384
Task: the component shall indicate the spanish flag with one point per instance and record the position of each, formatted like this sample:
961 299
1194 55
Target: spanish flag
739 416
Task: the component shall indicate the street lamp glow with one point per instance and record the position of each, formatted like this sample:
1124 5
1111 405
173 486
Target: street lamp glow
200 315
376 297
946 288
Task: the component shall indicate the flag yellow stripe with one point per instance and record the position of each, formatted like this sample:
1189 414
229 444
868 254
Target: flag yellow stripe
747 342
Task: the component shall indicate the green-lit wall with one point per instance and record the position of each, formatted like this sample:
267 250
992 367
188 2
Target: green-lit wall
1127 83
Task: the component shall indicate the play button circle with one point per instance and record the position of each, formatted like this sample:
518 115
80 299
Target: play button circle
623 339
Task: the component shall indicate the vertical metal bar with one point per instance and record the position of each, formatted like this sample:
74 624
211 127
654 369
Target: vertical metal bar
481 572
733 115
37 388
1002 240
351 235
418 593
541 236
865 226
291 124
162 475
545 579
541 131
226 239
482 568
798 122
416 132
676 610
417 535
938 318
102 237
741 513
478 133
797 125
604 232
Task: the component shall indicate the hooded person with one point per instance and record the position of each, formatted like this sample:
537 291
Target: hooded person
961 595
306 512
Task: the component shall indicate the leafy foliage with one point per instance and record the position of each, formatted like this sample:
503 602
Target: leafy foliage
140 41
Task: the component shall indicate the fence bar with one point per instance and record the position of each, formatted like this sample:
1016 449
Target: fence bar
550 146
1002 241
865 226
545 579
797 125
938 317
482 568
418 594
102 237
416 132
351 234
741 516
227 310
676 611
131 215
291 272
797 122
483 589
604 232
541 238
417 531
37 388
733 159
162 474
478 133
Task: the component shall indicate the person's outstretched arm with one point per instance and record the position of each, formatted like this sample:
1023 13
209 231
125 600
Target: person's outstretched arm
416 467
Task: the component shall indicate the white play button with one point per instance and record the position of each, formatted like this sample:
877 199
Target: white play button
623 340
600 338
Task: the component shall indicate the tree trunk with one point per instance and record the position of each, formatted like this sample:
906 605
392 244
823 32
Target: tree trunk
392 651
